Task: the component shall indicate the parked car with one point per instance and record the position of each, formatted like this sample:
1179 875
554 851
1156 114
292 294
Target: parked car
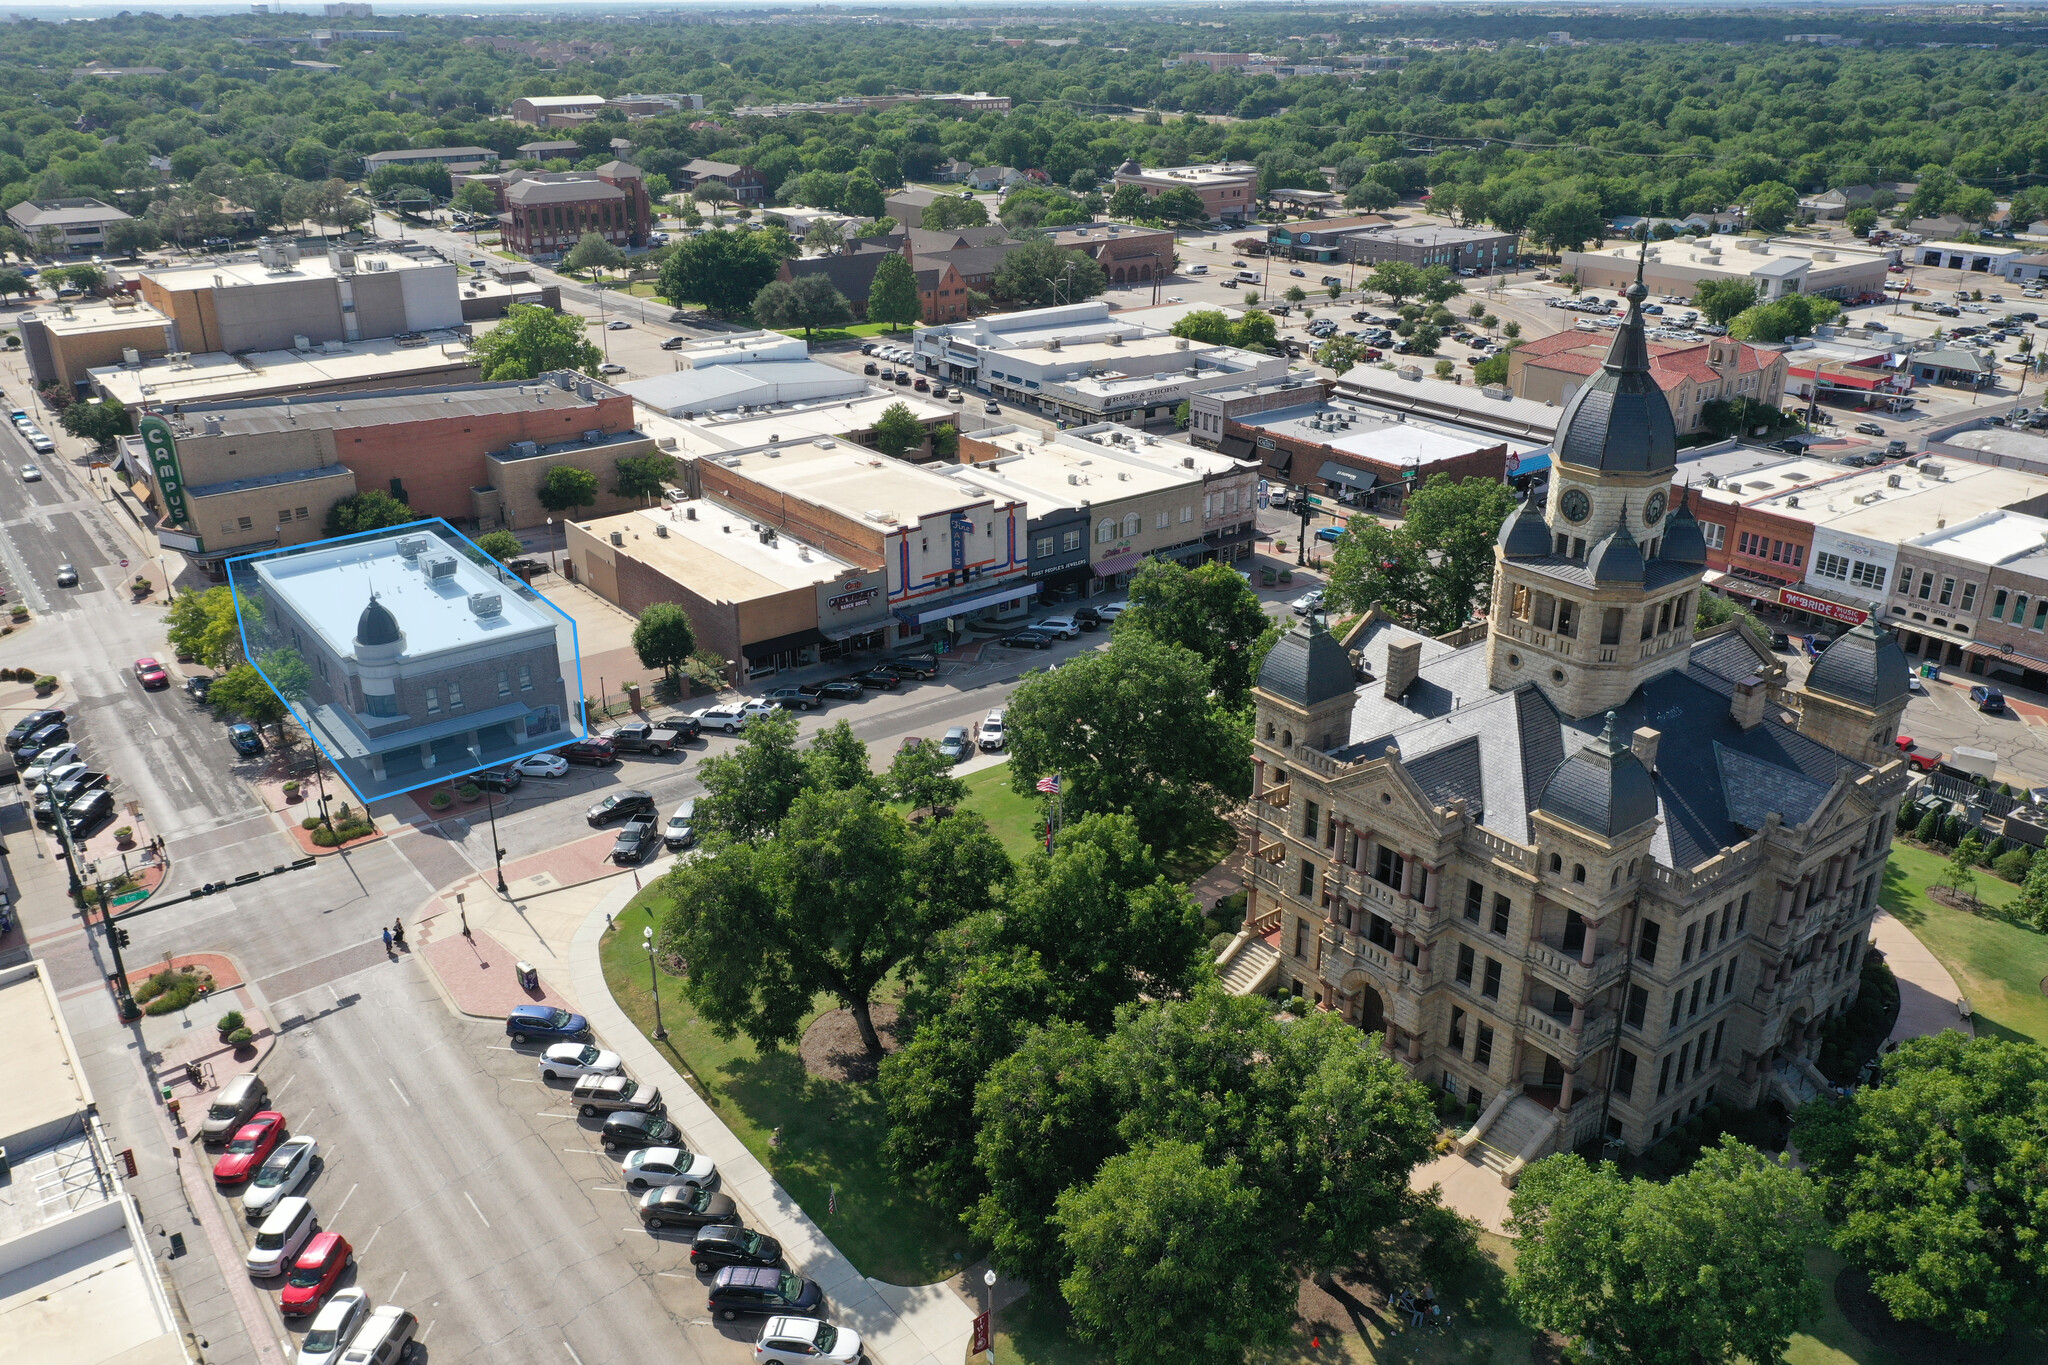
636 840
652 1166
544 1022
624 1132
1988 699
1312 600
806 1341
686 726
541 765
842 689
31 723
611 367
282 1173
314 1273
597 753
619 805
723 1244
89 812
246 741
641 737
674 343
726 718
55 777
681 830
914 666
876 677
46 763
498 779
46 738
760 1289
234 1104
1926 760
577 1060
283 1235
990 738
793 699
151 674
1026 639
249 1147
1331 534
1061 627
686 1206
594 1095
334 1327
618 326
957 745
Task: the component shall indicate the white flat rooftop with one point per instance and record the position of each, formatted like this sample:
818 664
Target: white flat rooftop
1370 436
1989 539
89 1303
884 494
329 587
38 1074
717 433
218 375
229 271
713 549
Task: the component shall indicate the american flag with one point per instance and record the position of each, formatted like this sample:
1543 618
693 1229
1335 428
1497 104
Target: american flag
1050 785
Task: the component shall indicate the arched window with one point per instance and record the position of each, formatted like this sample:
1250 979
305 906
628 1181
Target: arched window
1287 739
1106 532
1132 523
1578 872
1556 863
1269 731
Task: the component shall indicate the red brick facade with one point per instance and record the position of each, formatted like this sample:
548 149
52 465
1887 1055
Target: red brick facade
438 462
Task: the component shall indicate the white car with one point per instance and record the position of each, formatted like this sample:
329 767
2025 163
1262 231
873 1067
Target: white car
571 1060
41 444
30 474
760 707
617 326
803 1341
57 776
1060 627
652 1166
611 367
1109 611
334 1327
541 765
730 719
281 1173
47 762
991 737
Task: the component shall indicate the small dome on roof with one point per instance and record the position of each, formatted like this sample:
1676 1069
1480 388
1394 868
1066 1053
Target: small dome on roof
377 626
1130 168
1525 535
1617 559
1684 542
1864 666
1603 788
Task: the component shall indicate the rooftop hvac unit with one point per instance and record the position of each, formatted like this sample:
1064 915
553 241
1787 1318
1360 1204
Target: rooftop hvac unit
1116 338
522 449
130 356
333 347
661 529
377 263
690 513
1893 481
1053 345
618 537
412 547
1180 343
593 437
1187 462
768 536
485 604
441 566
301 343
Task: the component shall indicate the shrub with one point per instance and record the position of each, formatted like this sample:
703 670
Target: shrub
125 833
47 682
469 791
441 800
310 822
241 1037
2013 865
291 786
182 991
155 986
230 1021
325 838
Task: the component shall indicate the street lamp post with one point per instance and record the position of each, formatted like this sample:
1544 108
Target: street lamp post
1301 541
653 979
491 805
124 1002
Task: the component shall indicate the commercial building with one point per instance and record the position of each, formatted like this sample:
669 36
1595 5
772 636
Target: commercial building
1479 251
181 377
1975 257
79 224
65 342
980 102
1579 873
1083 365
78 1270
748 370
1489 410
1229 191
545 213
544 150
1691 375
1127 254
1322 239
1777 266
424 664
761 597
907 206
849 418
745 182
278 299
1346 450
454 158
541 110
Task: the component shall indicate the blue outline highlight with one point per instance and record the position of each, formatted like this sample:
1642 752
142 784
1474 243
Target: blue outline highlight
579 708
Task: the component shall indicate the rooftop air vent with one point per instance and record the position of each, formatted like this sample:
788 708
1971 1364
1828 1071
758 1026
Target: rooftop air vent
441 566
412 547
1893 481
661 529
619 537
593 437
485 604
522 449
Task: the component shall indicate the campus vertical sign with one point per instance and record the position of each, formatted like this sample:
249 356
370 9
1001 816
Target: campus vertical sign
162 449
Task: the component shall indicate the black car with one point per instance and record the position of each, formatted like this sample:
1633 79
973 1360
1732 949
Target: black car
875 677
90 812
498 779
724 1244
840 689
686 726
871 368
1026 639
1088 618
630 1132
636 840
596 752
793 699
619 805
31 723
686 1206
761 1289
914 666
47 737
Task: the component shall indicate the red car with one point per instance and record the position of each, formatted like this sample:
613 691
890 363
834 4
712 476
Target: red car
314 1273
251 1144
151 674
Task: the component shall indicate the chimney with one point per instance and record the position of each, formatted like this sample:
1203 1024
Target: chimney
1404 661
1644 742
1747 705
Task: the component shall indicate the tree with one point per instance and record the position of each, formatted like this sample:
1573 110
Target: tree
1128 203
923 777
897 430
593 252
1210 611
532 340
644 476
567 488
476 197
241 692
1439 285
1397 280
1183 415
14 282
892 297
371 510
807 301
101 421
500 545
824 237
1341 353
2031 906
715 193
663 638
1861 219
750 788
862 197
1170 1259
836 760
1960 876
1771 205
1710 1266
1041 273
1127 729
1371 196
1720 300
1295 293
205 626
1491 371
1432 570
1180 205
287 673
1568 222
945 441
1790 316
1211 325
723 270
130 237
1934 1184
943 215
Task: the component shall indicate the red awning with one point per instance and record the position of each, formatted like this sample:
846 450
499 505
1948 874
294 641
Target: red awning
2007 653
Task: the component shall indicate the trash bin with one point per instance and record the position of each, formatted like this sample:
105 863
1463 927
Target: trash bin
529 976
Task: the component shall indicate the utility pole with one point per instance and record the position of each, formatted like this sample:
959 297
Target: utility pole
124 1002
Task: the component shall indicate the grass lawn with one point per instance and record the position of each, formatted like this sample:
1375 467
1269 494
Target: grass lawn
1999 966
831 1132
825 336
1013 819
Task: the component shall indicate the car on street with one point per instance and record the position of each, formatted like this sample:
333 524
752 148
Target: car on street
990 737
31 723
283 1235
793 699
957 744
674 343
1298 271
636 840
759 1289
91 811
1869 429
313 1274
244 738
914 666
498 779
151 674
250 1146
724 1244
47 762
627 1131
617 326
652 1166
611 367
1026 639
598 753
281 1174
39 443
594 1095
686 1206
1312 600
875 677
577 1060
67 576
681 830
803 1341
1062 627
41 741
1988 699
619 805
842 689
55 778
1330 533
30 474
333 1328
992 408
726 718
544 1022
685 726
541 765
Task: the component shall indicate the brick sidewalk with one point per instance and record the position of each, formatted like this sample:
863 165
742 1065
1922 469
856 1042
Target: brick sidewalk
479 972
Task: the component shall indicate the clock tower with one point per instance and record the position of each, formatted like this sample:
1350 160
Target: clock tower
1595 592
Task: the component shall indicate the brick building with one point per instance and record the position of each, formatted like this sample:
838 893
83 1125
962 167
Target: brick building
543 111
64 342
1126 253
1480 250
546 212
1346 450
1228 191
745 182
940 291
1550 369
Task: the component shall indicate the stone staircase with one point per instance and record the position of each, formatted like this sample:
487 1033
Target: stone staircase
1249 965
1797 1082
1519 1134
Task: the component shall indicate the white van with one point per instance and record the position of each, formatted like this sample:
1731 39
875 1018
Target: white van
384 1337
1198 270
1247 277
283 1235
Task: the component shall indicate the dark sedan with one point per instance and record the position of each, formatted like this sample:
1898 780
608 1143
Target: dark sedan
29 724
842 689
686 726
686 1206
631 1132
793 699
596 752
47 737
721 1245
1026 639
875 677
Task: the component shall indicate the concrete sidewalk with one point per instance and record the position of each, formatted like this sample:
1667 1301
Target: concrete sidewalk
1929 999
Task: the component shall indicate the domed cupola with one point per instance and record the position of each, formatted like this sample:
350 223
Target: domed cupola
1525 535
1684 542
377 627
1130 168
1618 421
1865 667
1603 789
1617 559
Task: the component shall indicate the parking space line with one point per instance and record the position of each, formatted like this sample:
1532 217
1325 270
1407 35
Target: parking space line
401 1280
400 1093
373 1236
572 1353
477 1211
546 1115
422 1338
674 1275
287 1084
344 1200
587 1151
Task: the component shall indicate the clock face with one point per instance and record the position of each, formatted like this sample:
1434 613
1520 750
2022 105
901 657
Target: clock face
1653 510
1574 504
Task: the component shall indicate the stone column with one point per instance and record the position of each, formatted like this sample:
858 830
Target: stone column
1432 882
1800 893
1251 905
1259 777
1578 1017
1586 948
1422 958
1564 1094
1784 911
1414 1049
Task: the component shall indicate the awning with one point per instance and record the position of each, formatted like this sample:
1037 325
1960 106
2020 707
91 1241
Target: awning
925 615
1357 480
1827 606
1533 462
1119 563
798 639
2008 653
1743 587
844 632
1238 447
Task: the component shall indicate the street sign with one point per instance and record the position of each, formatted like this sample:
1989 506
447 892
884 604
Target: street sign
130 897
124 563
983 1336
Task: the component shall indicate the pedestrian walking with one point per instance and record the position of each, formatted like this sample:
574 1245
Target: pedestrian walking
387 943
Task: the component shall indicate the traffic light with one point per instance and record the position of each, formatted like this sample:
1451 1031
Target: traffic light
121 937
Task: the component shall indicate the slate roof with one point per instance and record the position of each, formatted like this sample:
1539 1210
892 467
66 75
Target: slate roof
1618 420
1603 788
852 275
1864 666
1307 666
1525 535
536 191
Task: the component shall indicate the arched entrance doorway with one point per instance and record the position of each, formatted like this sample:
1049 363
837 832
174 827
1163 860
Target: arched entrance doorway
1363 1005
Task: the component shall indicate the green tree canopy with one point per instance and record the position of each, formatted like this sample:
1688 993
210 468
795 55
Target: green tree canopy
1210 611
898 430
923 777
750 788
1041 273
475 197
807 301
892 297
531 341
593 252
372 510
101 421
949 212
500 545
204 626
567 488
1436 569
663 637
644 476
1720 300
242 693
722 269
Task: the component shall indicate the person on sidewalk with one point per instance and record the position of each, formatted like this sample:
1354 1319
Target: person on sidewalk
387 943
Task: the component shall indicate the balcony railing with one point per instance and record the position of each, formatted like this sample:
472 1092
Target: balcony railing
1581 980
1568 1047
